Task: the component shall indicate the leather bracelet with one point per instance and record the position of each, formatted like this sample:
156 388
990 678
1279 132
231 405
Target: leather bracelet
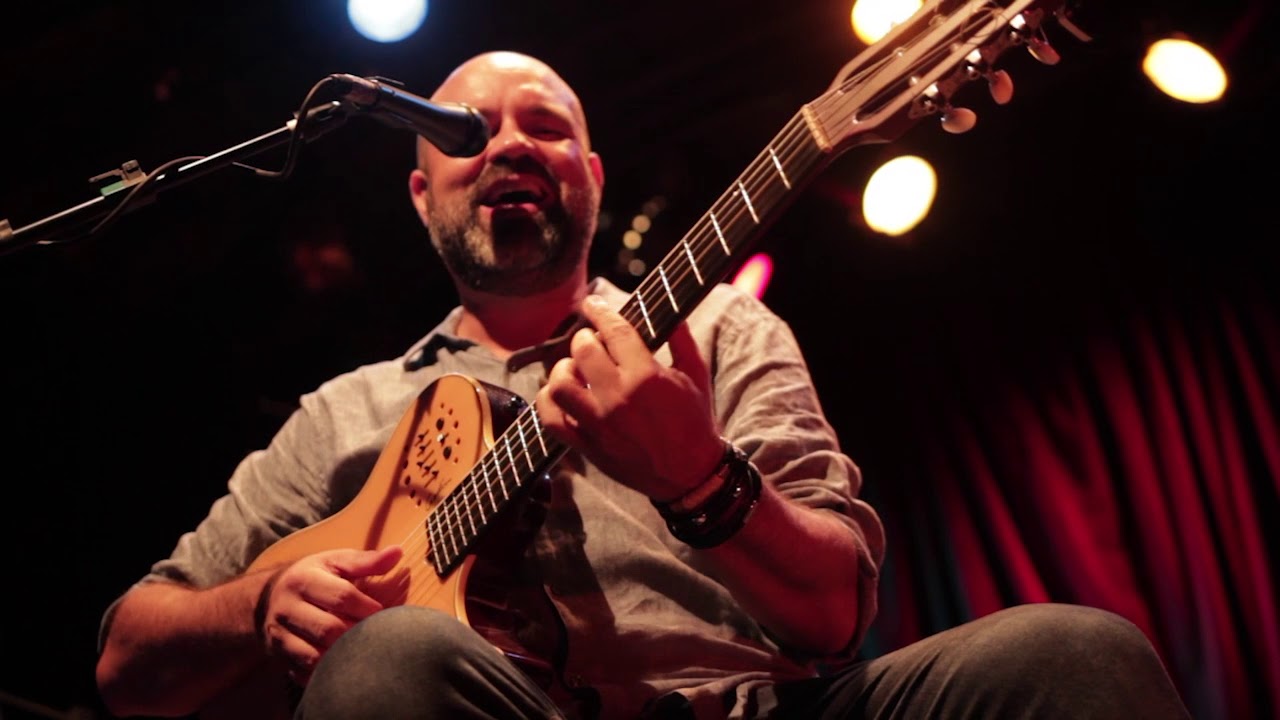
698 495
723 514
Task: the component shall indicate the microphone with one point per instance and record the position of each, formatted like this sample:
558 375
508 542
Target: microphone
459 130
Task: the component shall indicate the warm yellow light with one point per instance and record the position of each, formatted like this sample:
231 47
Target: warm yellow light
641 223
873 19
632 239
1185 71
754 275
899 195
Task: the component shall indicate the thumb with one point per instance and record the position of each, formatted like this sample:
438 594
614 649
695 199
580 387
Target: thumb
363 563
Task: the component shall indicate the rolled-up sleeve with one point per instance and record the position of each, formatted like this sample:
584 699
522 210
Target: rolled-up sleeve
765 401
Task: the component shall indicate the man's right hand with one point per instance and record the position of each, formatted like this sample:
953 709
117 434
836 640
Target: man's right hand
309 604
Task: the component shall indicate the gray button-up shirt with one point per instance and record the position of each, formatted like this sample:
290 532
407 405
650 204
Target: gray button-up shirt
643 616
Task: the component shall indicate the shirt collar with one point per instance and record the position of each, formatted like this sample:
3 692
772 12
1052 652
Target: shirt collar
444 336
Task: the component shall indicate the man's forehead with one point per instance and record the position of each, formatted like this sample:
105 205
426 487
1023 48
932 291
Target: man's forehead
481 90
492 77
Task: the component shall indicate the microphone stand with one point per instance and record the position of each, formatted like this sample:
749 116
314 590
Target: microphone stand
70 223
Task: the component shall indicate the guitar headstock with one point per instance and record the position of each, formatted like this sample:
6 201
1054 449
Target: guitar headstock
916 69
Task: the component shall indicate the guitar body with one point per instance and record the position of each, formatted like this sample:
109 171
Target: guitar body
433 448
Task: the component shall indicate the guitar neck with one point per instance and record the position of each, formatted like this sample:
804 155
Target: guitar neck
714 247
718 243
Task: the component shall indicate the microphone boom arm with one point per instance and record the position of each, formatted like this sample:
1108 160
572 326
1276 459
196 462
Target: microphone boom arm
70 223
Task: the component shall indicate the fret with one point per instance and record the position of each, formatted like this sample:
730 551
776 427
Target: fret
692 263
747 199
437 542
457 529
441 543
667 286
448 528
778 164
525 444
506 495
515 475
645 312
716 224
537 429
488 487
467 509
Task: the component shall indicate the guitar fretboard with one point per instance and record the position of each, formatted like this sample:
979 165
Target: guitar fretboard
713 248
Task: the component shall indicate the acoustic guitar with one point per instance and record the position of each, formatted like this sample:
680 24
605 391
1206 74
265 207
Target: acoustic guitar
461 483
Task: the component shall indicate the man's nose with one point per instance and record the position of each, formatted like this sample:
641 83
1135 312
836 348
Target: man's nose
511 144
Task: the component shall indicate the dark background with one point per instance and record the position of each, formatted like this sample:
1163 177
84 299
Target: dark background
139 365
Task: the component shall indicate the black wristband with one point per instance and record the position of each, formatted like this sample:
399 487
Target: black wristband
722 515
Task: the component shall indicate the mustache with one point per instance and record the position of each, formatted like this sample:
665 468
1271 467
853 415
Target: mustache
503 168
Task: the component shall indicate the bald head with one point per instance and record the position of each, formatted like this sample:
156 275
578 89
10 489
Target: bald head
517 218
471 83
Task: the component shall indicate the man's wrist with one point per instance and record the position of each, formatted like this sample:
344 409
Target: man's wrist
261 606
717 508
700 493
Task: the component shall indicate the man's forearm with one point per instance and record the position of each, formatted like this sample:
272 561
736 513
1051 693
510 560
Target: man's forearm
796 571
170 648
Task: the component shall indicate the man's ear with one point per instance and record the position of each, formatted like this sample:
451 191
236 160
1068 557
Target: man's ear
419 184
597 169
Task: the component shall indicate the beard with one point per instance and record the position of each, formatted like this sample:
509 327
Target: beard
522 253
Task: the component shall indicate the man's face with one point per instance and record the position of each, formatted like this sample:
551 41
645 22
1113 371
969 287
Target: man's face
518 218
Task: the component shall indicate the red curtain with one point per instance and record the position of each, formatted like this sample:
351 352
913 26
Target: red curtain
1138 473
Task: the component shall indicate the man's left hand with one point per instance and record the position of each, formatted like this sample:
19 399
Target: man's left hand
647 426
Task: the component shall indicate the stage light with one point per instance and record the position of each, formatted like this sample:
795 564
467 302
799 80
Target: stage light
386 21
873 19
1184 71
754 276
899 194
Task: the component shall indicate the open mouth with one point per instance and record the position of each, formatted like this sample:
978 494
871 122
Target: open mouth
527 193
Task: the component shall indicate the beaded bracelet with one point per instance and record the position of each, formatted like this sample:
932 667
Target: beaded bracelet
723 514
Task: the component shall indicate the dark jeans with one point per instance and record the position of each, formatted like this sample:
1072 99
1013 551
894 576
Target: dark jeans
1033 661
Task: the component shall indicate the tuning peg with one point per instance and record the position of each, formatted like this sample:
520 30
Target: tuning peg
1065 21
1041 50
1001 86
956 120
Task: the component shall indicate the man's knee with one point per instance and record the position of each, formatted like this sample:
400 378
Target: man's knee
413 634
1059 633
382 659
1078 651
1052 633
